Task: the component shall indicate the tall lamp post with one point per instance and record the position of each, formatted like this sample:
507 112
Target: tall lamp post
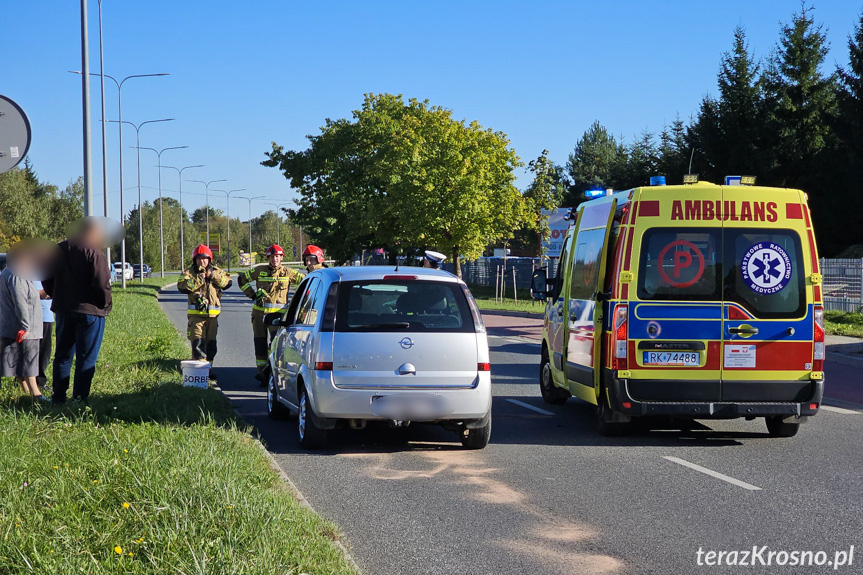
140 207
119 121
161 226
250 223
182 215
85 101
279 226
207 201
228 203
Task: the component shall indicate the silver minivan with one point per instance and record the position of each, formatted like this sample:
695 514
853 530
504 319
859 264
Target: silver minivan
360 344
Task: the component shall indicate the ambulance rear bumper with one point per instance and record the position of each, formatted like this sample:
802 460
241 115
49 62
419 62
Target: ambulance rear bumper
622 402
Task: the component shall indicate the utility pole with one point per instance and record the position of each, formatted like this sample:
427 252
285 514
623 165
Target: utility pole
250 224
228 204
182 213
85 100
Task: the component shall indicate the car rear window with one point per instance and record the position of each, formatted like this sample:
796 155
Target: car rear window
402 305
680 264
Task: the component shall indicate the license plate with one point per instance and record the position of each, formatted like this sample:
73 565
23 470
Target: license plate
408 406
678 358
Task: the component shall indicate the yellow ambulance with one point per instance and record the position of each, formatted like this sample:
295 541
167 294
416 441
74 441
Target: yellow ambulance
697 301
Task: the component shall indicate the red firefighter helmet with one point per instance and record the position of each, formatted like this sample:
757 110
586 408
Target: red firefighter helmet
275 250
202 251
314 251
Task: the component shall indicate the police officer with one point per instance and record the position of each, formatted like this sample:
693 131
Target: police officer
204 283
313 258
273 281
433 260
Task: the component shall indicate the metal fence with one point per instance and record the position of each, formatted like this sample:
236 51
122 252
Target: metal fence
842 287
486 271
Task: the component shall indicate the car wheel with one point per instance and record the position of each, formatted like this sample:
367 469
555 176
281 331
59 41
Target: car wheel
605 425
778 427
476 438
550 392
275 409
311 436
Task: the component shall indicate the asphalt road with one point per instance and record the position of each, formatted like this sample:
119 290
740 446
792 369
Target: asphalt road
548 495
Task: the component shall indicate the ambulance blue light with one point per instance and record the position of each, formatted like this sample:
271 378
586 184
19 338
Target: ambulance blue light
594 193
657 180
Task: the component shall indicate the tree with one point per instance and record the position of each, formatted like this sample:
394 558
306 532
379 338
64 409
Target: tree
642 161
404 175
850 190
545 192
674 152
598 161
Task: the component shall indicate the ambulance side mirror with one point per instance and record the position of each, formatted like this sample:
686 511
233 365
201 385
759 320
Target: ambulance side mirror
539 285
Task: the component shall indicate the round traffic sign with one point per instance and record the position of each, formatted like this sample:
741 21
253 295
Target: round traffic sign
14 134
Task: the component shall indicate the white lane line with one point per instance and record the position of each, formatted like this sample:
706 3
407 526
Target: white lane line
712 473
529 406
839 410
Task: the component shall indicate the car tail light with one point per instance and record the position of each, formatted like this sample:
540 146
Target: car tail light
818 353
474 310
399 278
324 366
483 367
620 336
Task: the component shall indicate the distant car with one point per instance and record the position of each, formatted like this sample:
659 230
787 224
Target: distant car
126 271
360 344
137 270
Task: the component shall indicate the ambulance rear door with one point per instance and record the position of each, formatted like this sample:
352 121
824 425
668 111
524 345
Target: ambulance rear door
767 341
587 276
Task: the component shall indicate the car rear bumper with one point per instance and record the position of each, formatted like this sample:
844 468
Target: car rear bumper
762 399
331 402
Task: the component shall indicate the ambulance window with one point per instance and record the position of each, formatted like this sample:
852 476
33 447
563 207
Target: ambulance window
764 272
558 278
585 264
680 264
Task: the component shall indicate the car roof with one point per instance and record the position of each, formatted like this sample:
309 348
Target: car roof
359 273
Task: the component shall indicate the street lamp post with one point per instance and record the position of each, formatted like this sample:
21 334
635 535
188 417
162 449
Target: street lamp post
250 223
161 225
279 226
207 201
140 207
120 123
228 203
105 135
85 101
182 215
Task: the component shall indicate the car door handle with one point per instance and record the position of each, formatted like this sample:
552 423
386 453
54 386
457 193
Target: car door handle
743 330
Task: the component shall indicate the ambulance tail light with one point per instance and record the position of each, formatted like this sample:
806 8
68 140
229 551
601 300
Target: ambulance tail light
818 355
620 336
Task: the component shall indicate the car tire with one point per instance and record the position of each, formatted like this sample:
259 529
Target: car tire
550 393
777 427
476 438
311 436
275 410
604 426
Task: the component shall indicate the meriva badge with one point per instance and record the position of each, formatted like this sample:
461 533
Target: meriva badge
766 268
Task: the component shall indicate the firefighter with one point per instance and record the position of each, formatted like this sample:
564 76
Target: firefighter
204 283
273 281
313 258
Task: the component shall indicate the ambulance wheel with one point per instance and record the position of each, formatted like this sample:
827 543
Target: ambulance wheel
275 409
605 425
311 436
550 392
778 427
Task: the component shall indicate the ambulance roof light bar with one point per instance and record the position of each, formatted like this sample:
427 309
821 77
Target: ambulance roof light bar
594 193
657 180
690 178
739 180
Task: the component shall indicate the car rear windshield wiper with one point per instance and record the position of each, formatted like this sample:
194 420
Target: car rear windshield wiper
394 325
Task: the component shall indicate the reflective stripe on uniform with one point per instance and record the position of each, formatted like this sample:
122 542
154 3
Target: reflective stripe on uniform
211 312
271 307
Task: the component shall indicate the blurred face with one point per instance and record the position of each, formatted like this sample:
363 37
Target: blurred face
275 260
203 261
311 260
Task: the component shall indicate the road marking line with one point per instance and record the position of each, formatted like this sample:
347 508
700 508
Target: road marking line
712 473
839 410
529 406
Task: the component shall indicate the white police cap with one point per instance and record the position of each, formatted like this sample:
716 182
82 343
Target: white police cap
435 257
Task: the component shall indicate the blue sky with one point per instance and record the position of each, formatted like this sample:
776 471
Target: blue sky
244 74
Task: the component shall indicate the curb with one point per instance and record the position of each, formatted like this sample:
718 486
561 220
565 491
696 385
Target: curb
524 314
292 487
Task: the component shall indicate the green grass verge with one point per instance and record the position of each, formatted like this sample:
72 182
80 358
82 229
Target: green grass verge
844 323
150 477
485 300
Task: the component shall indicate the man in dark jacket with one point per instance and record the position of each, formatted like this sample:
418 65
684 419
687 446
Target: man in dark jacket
81 290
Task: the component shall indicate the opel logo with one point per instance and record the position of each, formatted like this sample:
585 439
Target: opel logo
406 343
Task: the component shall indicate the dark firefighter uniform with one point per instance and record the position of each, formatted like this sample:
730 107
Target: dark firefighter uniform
271 296
205 295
